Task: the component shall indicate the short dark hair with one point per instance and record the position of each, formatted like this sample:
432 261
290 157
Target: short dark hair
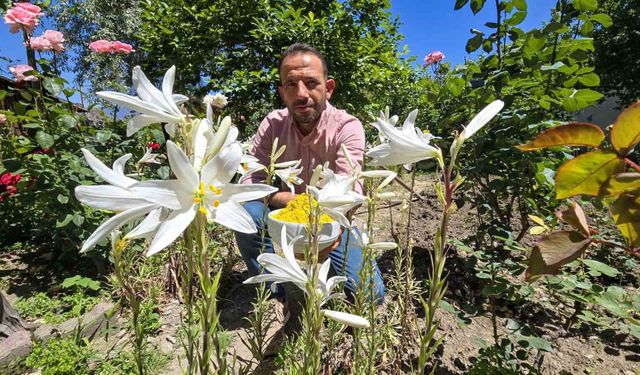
301 48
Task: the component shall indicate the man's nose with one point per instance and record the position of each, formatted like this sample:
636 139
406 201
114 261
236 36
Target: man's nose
302 91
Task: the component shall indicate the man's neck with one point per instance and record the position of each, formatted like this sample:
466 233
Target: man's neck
305 129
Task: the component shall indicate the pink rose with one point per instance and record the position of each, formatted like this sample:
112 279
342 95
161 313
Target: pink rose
55 38
433 57
19 70
29 8
120 47
19 18
100 46
39 43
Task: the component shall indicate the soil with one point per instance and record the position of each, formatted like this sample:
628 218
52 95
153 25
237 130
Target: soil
580 350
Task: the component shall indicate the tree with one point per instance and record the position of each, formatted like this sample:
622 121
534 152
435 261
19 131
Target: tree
82 22
618 50
234 47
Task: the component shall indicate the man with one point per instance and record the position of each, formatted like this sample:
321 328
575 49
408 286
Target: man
313 131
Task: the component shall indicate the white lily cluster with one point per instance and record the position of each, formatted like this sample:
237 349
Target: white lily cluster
153 105
408 145
286 269
404 145
203 178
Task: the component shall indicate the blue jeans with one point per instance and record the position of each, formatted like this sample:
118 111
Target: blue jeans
251 243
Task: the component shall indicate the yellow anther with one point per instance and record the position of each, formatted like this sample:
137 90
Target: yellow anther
197 199
245 167
201 189
203 210
216 203
121 244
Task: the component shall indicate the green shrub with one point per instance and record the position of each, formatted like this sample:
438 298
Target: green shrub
61 356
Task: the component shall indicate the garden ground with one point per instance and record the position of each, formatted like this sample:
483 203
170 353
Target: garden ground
466 323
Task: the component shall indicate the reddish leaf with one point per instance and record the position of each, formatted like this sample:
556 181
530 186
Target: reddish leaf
625 133
554 251
572 134
575 217
587 173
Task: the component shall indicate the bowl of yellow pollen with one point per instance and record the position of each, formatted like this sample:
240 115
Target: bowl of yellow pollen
295 217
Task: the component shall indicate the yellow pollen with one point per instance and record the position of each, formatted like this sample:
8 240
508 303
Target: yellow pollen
216 203
197 199
245 166
203 210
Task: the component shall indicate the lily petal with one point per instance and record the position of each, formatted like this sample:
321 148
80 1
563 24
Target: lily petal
351 320
114 223
171 229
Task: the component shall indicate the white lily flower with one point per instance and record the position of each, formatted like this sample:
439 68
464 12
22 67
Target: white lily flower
148 158
406 145
362 240
206 142
120 195
478 121
336 196
208 192
250 164
153 105
289 173
287 269
481 119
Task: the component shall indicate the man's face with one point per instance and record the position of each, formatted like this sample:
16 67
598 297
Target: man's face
304 89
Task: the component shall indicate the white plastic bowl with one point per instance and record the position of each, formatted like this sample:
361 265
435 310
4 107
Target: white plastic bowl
329 233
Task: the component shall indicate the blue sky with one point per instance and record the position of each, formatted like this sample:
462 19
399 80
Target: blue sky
427 25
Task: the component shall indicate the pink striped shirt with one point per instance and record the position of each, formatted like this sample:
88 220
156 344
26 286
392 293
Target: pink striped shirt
335 128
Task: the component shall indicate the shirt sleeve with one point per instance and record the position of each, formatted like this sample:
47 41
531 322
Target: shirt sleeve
351 135
261 149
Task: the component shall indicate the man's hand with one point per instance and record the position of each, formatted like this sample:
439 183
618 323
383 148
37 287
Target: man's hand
281 198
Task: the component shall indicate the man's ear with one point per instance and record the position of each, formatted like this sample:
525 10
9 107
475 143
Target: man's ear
331 85
280 92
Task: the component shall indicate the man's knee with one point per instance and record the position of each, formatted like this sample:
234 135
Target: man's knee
256 210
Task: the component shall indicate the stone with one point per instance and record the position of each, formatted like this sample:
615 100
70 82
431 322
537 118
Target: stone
15 348
91 322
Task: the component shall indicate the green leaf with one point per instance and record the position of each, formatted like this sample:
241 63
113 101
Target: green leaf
460 4
625 212
585 4
603 19
591 80
520 4
588 96
601 267
494 289
78 219
475 42
67 121
554 251
45 140
65 222
587 174
516 18
555 66
103 135
625 133
476 5
572 134
63 199
53 85
535 342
